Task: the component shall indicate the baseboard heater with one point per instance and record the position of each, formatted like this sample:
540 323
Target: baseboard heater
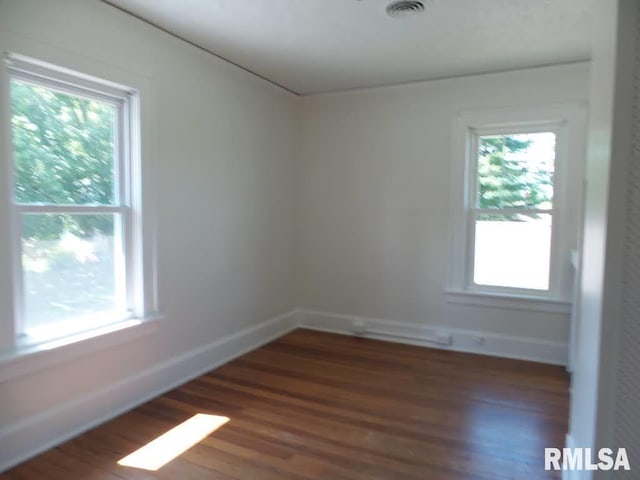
439 338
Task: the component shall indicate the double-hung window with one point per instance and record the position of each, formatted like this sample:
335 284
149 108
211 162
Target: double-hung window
516 197
75 202
510 212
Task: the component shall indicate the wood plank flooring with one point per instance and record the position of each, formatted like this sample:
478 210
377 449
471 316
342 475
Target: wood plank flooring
313 405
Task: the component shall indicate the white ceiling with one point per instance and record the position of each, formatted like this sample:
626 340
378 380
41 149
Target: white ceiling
310 46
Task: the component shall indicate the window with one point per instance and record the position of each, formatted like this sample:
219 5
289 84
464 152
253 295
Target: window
517 216
75 202
511 214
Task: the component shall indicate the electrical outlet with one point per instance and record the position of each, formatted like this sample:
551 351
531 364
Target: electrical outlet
442 337
478 339
359 327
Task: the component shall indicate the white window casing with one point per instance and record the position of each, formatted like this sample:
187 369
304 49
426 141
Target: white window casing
130 204
568 123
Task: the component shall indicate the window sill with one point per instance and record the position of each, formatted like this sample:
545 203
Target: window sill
26 359
514 302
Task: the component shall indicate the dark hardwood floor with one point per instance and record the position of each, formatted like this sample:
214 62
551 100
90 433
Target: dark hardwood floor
313 405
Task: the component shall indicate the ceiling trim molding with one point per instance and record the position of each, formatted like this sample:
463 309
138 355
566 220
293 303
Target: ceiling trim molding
200 47
585 61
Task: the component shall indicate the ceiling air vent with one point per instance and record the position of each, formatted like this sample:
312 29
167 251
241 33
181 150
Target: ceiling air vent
405 8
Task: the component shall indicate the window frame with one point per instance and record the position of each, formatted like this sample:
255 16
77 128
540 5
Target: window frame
140 302
472 212
568 123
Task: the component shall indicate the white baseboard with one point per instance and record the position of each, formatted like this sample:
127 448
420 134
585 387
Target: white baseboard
521 348
32 436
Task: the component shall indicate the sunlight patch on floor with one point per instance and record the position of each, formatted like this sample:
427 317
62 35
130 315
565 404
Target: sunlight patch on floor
157 453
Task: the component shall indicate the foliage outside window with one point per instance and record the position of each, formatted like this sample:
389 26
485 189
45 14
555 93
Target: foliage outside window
507 175
71 201
512 210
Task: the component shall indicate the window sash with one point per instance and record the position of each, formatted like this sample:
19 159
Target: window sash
511 211
71 84
473 211
121 140
473 217
473 181
60 79
60 328
80 209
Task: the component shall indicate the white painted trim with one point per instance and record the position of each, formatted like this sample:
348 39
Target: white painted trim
8 246
568 443
414 84
568 121
31 436
521 348
574 474
36 70
135 172
514 302
30 358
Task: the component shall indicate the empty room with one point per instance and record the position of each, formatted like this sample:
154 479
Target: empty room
319 239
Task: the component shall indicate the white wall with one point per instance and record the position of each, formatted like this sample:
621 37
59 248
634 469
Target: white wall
365 188
599 379
219 144
373 202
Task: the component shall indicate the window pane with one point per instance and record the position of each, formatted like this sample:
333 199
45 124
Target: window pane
63 146
516 171
73 271
513 251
